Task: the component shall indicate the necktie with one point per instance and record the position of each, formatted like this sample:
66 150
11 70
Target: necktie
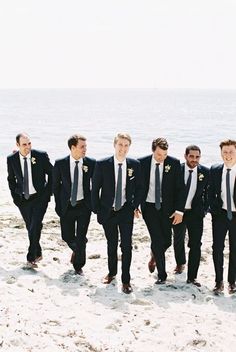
75 185
118 196
188 184
26 180
157 188
228 196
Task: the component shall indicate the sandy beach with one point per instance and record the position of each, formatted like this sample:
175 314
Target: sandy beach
52 309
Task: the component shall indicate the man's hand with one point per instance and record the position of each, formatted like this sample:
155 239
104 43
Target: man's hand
137 213
177 218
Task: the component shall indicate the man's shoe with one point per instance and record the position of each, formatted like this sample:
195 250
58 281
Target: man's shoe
37 259
232 288
126 288
179 269
31 265
152 264
108 279
193 282
219 288
160 282
79 272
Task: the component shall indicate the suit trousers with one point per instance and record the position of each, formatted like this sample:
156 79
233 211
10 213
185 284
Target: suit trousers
120 221
220 226
192 223
33 211
159 227
74 227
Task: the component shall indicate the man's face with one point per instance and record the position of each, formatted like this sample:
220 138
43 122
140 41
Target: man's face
24 145
228 153
79 151
160 154
121 148
192 158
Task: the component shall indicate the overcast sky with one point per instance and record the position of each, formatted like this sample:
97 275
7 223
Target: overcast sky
118 43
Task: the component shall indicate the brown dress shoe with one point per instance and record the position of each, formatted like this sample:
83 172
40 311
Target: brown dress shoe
79 272
179 269
152 264
126 288
219 288
194 282
37 259
232 288
108 279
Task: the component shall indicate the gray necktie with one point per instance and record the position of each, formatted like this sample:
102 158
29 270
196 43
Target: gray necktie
228 196
118 196
74 188
157 188
188 184
26 180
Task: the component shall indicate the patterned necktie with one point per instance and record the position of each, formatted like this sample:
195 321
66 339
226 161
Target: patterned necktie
157 188
75 184
228 196
26 180
189 180
118 196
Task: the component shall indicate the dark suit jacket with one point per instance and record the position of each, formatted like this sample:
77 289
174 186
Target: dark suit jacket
215 199
62 183
103 189
40 168
200 200
173 189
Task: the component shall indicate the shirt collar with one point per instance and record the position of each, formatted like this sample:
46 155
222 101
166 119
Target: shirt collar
72 160
116 162
28 156
188 168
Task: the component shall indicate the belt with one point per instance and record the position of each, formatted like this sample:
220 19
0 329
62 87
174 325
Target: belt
113 208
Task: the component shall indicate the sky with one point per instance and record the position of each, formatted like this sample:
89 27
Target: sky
118 44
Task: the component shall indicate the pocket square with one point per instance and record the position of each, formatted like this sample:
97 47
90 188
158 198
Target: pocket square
131 178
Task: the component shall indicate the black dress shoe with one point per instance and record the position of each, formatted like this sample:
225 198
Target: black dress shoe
232 288
108 279
126 288
179 269
160 282
219 288
193 282
152 264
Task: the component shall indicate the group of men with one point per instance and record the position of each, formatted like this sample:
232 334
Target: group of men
172 197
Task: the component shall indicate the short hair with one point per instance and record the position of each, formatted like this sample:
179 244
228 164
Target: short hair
192 147
19 135
161 143
122 135
74 140
227 142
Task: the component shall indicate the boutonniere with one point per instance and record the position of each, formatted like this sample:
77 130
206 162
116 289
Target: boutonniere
167 168
85 168
33 160
130 172
200 177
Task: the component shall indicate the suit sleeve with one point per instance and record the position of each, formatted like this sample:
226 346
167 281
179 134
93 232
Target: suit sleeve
56 187
48 170
12 182
96 186
180 196
139 191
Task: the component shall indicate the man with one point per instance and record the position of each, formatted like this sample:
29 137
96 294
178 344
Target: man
222 199
71 187
163 201
116 195
196 182
30 183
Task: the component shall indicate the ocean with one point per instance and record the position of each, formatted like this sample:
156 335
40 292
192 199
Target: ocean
50 116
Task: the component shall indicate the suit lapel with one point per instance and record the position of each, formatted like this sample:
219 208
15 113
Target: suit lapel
111 172
18 164
67 169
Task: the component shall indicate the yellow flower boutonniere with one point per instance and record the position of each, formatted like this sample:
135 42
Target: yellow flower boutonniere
33 160
85 168
200 177
130 172
167 168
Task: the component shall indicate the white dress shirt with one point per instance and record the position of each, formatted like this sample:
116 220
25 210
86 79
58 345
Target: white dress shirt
80 191
193 185
232 184
29 164
124 174
151 191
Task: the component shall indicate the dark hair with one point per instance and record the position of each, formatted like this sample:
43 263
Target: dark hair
192 147
227 142
19 135
74 140
161 143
